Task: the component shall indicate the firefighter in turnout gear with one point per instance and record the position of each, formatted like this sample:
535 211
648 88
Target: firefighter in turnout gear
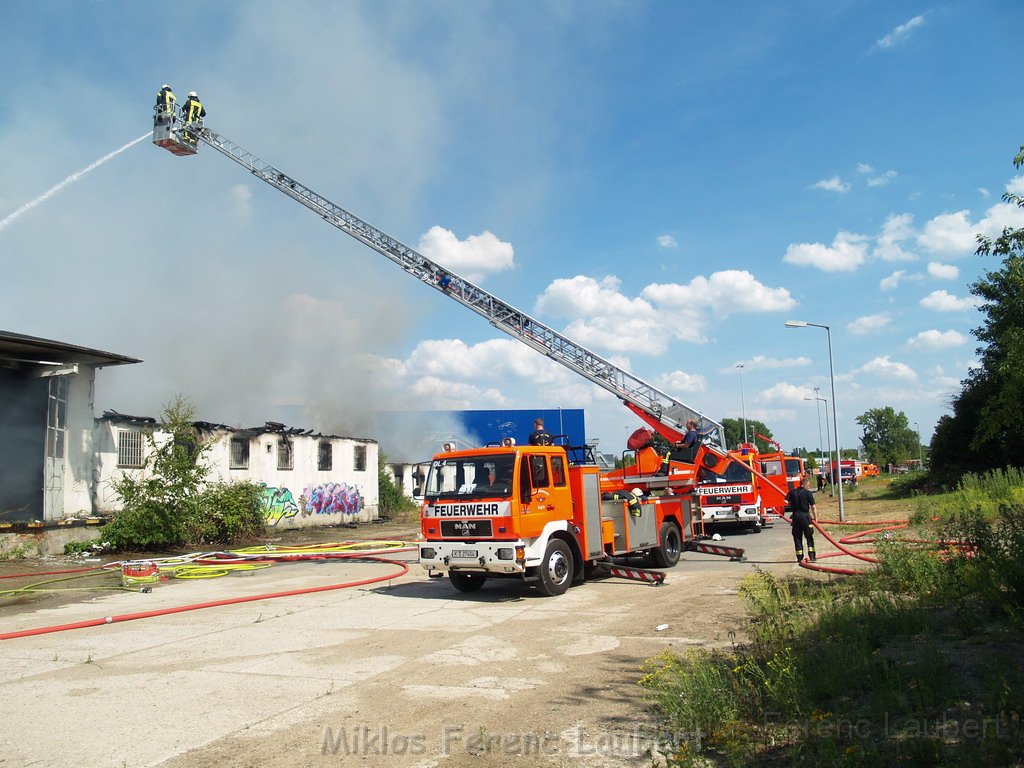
539 436
165 99
193 110
803 512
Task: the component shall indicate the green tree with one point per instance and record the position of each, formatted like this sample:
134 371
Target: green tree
887 438
393 503
984 431
734 434
169 501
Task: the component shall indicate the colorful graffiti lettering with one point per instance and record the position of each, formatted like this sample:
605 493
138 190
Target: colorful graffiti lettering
330 499
278 504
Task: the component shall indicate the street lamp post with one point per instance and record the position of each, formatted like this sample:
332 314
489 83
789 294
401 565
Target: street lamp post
743 407
835 423
920 450
817 409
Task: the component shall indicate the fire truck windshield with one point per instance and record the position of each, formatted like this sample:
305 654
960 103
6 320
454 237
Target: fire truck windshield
471 477
736 472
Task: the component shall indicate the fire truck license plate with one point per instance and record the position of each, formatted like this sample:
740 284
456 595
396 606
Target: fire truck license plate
463 553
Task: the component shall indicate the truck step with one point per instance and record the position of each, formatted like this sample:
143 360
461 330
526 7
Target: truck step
733 553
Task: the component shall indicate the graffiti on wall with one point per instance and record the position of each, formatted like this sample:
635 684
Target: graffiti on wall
331 499
278 504
324 499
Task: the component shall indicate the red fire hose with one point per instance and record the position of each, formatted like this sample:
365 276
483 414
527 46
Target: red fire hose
403 569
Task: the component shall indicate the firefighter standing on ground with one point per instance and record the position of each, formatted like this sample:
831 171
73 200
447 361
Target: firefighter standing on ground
803 511
193 109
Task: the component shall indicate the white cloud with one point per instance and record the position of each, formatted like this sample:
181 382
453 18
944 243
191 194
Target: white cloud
765 363
897 228
934 340
953 235
943 271
726 292
883 366
491 360
882 179
447 395
473 258
448 373
680 381
949 233
868 323
943 301
601 316
900 33
786 393
892 281
1015 186
984 192
667 241
864 169
847 252
834 184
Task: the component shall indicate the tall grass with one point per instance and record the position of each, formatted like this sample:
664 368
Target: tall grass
984 493
918 663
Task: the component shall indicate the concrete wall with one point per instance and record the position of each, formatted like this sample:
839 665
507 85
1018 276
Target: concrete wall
44 541
78 461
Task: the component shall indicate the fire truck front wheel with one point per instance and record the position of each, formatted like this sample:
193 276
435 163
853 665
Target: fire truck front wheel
556 569
467 581
667 555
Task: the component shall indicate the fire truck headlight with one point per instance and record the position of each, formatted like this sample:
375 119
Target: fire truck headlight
428 553
505 553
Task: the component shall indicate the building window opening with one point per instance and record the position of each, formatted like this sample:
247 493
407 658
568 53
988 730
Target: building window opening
129 448
325 457
359 458
239 453
285 454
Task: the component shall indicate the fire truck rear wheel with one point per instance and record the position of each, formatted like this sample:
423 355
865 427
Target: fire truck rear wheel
667 555
556 569
467 581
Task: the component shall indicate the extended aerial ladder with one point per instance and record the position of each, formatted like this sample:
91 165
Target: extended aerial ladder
664 413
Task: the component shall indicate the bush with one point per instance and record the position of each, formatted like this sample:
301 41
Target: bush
393 503
911 484
168 503
224 512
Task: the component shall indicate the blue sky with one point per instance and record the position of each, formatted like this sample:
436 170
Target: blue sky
665 182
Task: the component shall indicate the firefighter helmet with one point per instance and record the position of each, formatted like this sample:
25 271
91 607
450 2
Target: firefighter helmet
193 95
166 87
637 492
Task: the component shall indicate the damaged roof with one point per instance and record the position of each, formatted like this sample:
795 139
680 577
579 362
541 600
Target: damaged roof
268 428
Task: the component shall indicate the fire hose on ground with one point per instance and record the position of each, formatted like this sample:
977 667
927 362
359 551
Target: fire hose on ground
878 527
211 565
